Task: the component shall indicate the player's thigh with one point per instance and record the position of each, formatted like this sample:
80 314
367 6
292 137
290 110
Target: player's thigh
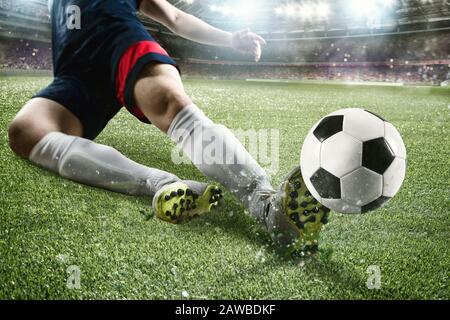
160 94
36 119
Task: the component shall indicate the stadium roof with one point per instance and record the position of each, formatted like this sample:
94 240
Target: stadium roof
325 16
275 19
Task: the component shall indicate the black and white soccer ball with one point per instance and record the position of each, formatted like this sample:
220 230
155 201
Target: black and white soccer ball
353 161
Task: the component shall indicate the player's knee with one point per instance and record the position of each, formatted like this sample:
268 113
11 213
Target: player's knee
160 94
165 89
173 98
16 131
23 136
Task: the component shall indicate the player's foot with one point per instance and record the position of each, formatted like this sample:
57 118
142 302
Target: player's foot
183 201
294 218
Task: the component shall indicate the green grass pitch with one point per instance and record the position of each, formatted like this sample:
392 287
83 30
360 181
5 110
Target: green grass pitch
48 224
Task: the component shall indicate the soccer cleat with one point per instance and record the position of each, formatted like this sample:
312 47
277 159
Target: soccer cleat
180 202
294 218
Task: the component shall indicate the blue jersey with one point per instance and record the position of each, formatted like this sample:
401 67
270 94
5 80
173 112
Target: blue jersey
99 50
89 33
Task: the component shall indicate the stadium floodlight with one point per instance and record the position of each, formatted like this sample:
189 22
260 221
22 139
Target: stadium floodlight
388 3
247 9
306 11
322 10
363 8
370 8
290 10
225 10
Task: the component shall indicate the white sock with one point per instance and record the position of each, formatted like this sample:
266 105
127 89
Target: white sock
217 153
97 165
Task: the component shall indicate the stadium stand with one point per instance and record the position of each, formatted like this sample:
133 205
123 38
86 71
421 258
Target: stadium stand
25 54
412 52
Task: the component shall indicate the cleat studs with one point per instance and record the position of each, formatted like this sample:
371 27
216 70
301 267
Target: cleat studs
189 192
295 216
324 220
175 206
326 210
300 225
312 219
167 197
293 205
180 192
173 194
297 185
304 204
308 194
294 194
181 201
316 210
314 201
306 213
168 213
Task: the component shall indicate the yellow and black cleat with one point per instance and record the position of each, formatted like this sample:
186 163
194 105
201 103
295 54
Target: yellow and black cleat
305 212
181 202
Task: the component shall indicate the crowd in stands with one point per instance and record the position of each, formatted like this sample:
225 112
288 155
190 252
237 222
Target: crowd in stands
34 55
417 46
433 67
25 54
431 74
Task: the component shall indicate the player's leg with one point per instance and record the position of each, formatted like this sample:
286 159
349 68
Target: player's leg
180 201
160 95
292 217
50 135
35 120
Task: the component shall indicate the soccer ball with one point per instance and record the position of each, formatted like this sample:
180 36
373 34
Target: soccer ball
353 161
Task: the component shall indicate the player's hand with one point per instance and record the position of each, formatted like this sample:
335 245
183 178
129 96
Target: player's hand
248 42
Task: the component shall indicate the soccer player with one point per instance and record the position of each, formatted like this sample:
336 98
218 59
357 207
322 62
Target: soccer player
104 59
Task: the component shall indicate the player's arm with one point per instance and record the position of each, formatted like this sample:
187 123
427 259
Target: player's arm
192 28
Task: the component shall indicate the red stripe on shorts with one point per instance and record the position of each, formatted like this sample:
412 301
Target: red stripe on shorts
129 60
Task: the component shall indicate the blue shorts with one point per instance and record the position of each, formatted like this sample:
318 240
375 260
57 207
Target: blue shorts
94 92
